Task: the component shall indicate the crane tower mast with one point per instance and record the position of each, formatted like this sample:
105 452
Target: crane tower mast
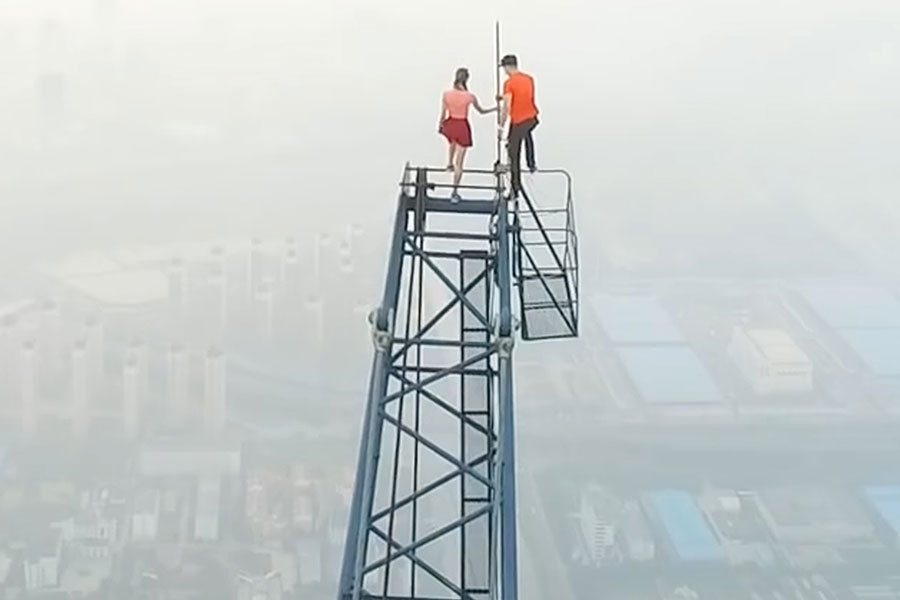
433 511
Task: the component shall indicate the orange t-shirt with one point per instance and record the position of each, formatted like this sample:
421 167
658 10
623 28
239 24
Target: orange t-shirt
522 107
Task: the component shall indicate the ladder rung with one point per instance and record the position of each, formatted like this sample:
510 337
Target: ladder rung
447 186
533 306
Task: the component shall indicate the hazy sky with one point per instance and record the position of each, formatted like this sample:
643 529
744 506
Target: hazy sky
205 115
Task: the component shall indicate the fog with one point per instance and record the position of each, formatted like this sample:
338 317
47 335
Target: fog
664 108
195 192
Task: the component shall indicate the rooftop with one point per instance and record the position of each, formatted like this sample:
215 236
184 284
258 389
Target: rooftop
844 306
879 349
777 346
886 501
669 375
685 526
104 279
635 319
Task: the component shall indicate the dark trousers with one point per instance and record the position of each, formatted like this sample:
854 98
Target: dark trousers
517 134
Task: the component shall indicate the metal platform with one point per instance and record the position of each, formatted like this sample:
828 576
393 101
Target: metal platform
434 505
546 262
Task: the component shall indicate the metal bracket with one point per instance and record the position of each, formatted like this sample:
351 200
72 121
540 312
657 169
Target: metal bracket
381 338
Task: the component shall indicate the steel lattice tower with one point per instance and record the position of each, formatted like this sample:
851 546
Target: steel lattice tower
433 513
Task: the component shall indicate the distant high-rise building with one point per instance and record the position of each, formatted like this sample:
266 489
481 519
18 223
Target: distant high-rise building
218 309
206 512
81 388
178 381
313 320
214 397
291 270
51 334
145 515
291 284
8 371
28 387
139 351
255 267
322 257
132 394
264 309
346 269
309 561
179 292
94 336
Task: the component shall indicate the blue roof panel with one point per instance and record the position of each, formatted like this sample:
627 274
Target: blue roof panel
886 500
669 375
879 349
686 527
635 319
853 306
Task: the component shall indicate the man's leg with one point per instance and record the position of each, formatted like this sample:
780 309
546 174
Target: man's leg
529 146
514 144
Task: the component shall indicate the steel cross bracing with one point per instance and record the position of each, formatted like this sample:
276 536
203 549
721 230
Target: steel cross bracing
433 509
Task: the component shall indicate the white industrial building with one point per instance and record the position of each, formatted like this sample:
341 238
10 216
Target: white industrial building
598 518
770 361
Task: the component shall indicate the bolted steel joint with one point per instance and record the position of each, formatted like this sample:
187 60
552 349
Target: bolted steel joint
505 346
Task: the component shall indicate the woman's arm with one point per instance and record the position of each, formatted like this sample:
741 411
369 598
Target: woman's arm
481 110
443 111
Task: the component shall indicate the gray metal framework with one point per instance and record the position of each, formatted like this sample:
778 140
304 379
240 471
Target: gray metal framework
433 513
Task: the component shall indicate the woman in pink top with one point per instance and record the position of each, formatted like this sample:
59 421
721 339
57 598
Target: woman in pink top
454 124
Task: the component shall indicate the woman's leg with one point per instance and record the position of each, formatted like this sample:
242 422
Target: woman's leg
451 147
458 167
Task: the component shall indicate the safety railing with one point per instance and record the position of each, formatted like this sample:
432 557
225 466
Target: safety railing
547 258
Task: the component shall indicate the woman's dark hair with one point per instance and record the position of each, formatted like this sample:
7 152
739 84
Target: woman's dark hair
461 82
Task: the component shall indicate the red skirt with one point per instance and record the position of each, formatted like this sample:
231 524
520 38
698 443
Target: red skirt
457 131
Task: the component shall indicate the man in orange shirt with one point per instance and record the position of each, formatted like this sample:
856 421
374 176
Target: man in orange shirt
519 106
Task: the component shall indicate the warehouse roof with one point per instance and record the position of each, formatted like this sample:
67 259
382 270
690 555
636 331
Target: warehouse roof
669 375
635 319
853 306
886 500
686 527
879 349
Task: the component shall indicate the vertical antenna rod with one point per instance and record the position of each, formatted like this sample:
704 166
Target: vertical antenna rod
499 157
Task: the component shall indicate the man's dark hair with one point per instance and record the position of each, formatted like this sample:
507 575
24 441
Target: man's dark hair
509 60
